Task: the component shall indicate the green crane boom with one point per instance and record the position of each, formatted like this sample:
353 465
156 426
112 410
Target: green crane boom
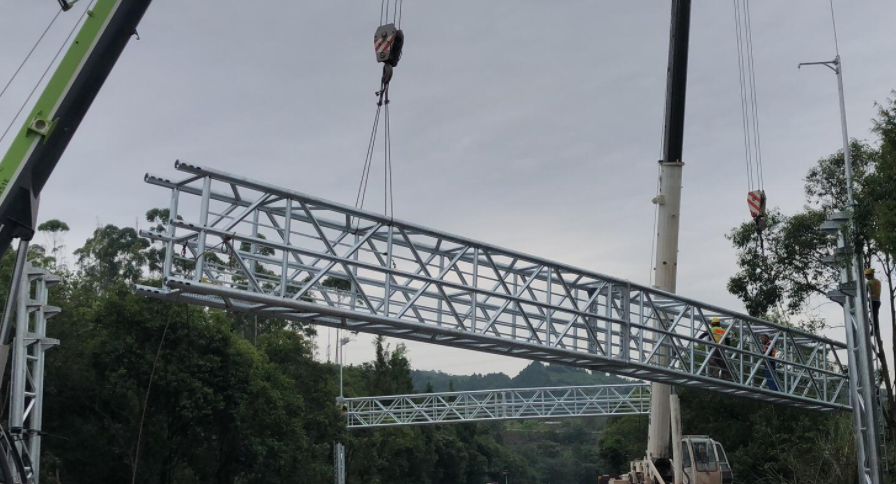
59 110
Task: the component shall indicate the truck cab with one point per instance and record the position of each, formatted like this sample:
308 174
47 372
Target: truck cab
704 461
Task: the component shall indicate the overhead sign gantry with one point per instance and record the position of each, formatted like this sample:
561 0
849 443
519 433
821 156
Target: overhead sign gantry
492 405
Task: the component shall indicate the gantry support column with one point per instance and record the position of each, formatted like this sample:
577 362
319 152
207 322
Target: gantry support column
27 377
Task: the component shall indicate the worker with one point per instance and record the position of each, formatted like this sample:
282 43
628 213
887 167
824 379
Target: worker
716 361
874 289
718 332
701 459
769 350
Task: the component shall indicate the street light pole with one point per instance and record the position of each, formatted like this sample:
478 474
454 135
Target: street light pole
855 307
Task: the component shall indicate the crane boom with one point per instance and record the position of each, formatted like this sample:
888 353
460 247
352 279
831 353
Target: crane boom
669 208
59 110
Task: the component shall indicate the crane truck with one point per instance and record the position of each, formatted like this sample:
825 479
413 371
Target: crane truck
671 458
108 28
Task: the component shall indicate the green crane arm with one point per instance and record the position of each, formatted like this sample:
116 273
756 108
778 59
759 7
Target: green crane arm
59 110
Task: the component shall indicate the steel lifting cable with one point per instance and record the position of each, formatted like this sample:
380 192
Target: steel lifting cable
396 6
368 160
30 52
388 43
381 106
47 70
656 207
387 174
753 93
756 198
748 156
749 98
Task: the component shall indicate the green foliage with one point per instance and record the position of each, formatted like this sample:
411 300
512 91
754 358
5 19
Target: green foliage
826 181
624 440
159 218
53 225
782 282
882 194
765 444
239 399
259 249
337 283
114 253
771 444
782 276
534 375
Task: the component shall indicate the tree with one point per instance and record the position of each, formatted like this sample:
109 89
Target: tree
114 253
782 283
55 231
779 280
881 184
624 440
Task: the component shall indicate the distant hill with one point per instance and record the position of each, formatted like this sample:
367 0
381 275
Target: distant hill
537 374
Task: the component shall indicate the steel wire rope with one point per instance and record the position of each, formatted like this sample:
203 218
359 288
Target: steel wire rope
383 94
743 95
368 162
834 25
389 201
653 234
656 207
47 70
30 52
753 93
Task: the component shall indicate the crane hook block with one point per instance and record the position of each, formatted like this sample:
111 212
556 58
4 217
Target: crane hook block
387 43
756 201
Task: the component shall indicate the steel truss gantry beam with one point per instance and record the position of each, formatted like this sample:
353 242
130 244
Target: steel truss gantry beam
243 245
27 377
492 405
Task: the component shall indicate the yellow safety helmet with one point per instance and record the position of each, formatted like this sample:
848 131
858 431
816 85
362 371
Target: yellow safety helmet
869 272
715 321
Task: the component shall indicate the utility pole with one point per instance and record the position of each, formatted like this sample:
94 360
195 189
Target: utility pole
668 203
854 298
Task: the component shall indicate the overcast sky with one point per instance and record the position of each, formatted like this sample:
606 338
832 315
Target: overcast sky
530 125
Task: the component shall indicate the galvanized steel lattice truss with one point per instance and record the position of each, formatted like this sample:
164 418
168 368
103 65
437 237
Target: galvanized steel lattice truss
27 377
491 405
243 245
